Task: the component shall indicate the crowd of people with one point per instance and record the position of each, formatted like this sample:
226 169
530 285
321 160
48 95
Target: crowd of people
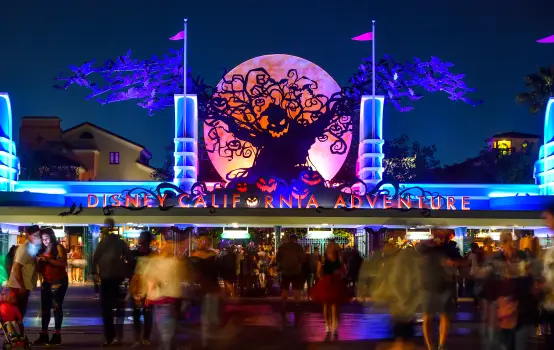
512 285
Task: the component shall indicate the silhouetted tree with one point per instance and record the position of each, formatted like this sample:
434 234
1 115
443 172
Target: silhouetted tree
541 88
407 161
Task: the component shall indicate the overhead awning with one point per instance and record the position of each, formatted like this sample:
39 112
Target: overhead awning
271 217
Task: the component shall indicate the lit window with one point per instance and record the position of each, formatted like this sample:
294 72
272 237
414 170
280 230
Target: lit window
114 157
505 146
525 144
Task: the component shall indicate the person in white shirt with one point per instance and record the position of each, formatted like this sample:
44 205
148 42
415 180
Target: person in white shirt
23 277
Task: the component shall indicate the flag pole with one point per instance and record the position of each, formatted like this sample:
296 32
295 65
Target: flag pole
373 81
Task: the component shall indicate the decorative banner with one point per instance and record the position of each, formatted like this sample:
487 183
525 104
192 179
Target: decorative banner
308 191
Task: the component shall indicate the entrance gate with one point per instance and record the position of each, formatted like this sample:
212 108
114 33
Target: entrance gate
322 243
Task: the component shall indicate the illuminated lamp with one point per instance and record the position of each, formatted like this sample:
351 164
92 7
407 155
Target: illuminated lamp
131 234
235 234
59 232
320 234
419 235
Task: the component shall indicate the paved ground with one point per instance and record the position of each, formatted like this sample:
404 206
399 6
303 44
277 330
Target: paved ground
255 324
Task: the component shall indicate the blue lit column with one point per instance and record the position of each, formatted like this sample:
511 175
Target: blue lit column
370 150
544 166
90 241
460 234
186 142
9 163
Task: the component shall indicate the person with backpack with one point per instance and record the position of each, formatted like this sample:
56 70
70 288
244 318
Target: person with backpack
290 256
112 259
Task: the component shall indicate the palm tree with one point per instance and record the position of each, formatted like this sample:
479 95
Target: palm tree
541 89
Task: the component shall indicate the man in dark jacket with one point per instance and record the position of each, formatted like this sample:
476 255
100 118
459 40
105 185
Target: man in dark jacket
112 259
289 261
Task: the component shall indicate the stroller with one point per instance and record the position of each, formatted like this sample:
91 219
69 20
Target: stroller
9 339
10 342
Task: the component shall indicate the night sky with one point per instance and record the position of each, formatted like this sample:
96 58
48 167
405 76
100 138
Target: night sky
492 42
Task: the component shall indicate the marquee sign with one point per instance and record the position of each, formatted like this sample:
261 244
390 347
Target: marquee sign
282 201
308 191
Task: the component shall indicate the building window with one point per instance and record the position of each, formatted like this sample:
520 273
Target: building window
114 157
86 136
505 146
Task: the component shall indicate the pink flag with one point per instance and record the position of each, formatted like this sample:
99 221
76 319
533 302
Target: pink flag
178 36
547 40
364 37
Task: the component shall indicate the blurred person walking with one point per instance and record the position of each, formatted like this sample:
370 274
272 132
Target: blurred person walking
289 258
513 286
204 264
112 259
141 254
548 276
228 267
440 288
161 288
52 266
400 292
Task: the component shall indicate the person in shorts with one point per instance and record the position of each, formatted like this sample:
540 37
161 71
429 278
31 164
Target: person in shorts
290 257
439 290
23 277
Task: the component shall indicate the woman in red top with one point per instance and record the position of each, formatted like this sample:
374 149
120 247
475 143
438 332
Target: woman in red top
52 264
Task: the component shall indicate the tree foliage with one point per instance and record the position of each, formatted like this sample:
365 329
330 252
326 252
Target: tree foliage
492 166
407 161
540 86
153 82
404 82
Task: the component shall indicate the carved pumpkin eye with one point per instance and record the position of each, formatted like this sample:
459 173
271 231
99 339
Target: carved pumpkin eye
252 201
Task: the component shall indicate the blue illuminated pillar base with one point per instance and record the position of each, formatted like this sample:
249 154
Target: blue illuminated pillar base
90 240
186 142
9 163
460 235
544 166
370 150
277 237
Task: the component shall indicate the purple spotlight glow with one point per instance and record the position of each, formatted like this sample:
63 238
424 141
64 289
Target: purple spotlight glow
547 40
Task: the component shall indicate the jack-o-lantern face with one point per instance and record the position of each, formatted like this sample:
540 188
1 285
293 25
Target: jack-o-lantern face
267 185
275 121
311 178
252 201
299 191
242 187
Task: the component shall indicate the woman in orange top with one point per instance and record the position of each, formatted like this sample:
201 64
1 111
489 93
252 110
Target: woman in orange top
52 264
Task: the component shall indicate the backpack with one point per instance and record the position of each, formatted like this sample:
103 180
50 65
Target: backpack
290 257
436 277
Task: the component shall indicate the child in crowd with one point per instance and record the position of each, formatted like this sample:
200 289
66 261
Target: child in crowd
11 317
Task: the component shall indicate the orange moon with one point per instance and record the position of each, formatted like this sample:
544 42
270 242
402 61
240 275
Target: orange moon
278 65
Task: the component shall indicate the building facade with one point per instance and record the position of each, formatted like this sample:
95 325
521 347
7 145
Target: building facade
96 153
